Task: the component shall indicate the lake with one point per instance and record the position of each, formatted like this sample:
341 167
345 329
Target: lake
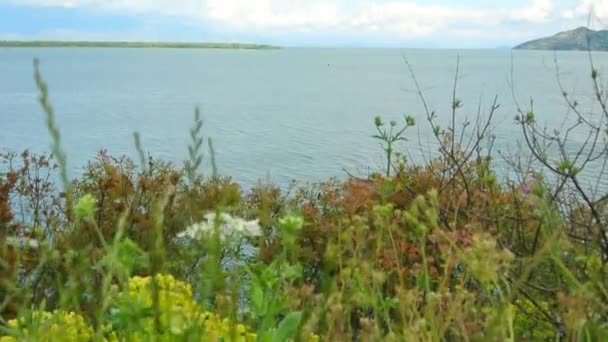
294 113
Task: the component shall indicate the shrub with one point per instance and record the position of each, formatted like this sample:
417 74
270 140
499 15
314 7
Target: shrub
50 327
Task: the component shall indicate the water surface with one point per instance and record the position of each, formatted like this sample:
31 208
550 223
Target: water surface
304 114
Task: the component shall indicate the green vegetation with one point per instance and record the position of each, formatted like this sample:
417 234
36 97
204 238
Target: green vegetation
151 251
582 39
101 44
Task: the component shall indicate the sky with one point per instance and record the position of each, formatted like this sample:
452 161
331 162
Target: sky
338 23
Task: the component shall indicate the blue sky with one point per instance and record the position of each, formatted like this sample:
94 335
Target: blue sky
390 23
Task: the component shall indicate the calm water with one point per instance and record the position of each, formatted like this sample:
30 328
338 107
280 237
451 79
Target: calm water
304 114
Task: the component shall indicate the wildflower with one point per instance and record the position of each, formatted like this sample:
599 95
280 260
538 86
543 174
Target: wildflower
484 260
196 231
240 226
49 326
178 310
22 242
85 208
378 121
290 226
292 222
179 314
533 185
383 211
529 184
410 120
227 226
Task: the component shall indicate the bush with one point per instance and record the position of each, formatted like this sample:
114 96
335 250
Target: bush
49 326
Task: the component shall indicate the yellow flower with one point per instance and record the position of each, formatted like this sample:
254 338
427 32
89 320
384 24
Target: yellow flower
179 315
180 318
50 327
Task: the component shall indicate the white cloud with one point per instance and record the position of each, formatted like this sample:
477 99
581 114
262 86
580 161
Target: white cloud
568 14
402 18
387 20
598 8
187 8
272 14
537 11
393 17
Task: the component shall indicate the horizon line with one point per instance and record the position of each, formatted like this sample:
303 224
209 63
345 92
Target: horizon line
210 44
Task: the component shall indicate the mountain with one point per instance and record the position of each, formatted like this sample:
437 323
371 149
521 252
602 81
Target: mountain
581 38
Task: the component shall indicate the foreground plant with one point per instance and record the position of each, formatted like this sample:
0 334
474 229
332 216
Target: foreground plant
388 137
49 326
134 314
225 225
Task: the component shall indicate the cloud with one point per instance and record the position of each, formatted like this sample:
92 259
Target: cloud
538 11
568 14
406 18
186 8
393 21
402 18
597 8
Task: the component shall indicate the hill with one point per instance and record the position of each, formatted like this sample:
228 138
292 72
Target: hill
581 38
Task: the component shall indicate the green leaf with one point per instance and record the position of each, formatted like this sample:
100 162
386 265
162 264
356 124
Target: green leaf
270 275
85 207
423 282
292 271
387 188
288 327
436 130
265 336
565 166
258 300
392 302
130 256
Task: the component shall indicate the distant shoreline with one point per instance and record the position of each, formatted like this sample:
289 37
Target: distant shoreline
136 45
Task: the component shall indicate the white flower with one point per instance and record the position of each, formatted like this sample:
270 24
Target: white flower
227 225
22 242
196 231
